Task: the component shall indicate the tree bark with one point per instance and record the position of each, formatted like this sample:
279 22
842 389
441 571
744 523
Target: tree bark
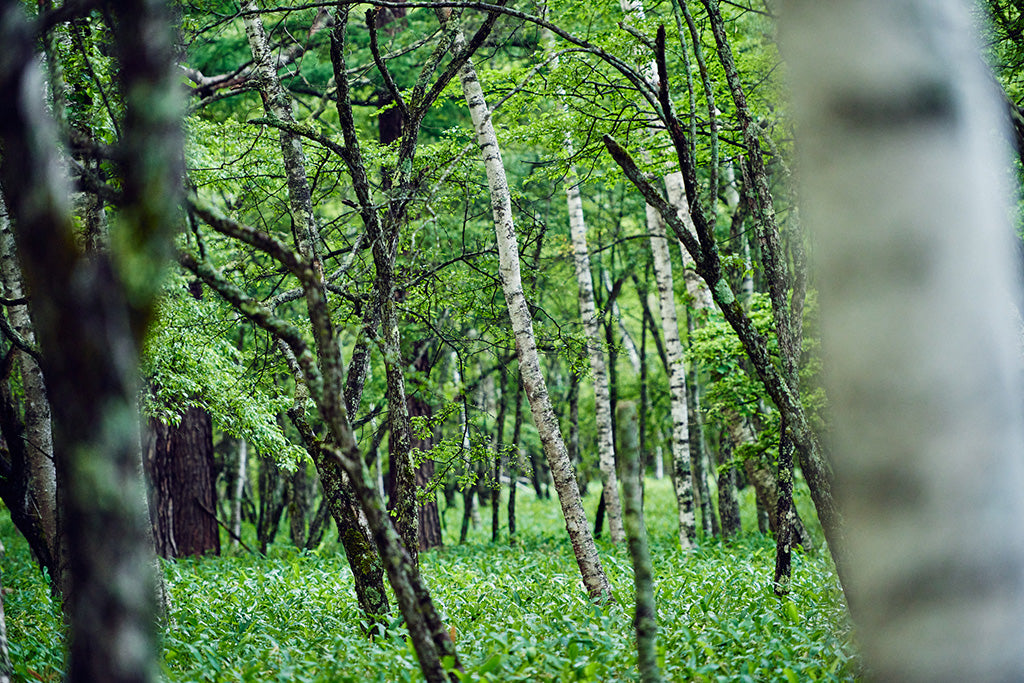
6 669
904 188
595 354
237 491
37 437
645 618
359 550
594 579
179 463
110 599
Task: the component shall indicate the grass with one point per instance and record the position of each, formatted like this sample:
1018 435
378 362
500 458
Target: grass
519 613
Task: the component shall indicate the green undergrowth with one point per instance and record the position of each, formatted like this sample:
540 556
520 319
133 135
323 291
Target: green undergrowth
519 613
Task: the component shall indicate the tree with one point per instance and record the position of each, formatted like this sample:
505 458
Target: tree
110 591
534 386
916 287
179 464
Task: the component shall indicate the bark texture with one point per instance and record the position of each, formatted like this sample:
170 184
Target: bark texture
179 462
904 193
37 437
681 465
595 353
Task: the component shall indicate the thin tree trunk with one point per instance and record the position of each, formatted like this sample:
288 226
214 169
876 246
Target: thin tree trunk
645 618
499 451
238 488
6 668
595 353
685 467
299 504
905 189
584 548
681 456
513 463
700 304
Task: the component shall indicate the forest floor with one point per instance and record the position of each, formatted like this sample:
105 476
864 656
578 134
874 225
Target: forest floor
519 613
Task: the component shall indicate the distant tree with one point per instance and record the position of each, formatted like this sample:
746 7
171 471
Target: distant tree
183 498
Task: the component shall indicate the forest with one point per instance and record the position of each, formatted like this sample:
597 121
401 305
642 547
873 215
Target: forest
451 340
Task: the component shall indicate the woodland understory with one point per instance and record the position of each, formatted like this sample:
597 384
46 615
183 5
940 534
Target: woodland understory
658 340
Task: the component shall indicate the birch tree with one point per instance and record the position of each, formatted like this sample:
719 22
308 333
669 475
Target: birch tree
595 349
682 457
903 187
594 579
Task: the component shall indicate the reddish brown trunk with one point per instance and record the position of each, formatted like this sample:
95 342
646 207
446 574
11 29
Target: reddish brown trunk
179 462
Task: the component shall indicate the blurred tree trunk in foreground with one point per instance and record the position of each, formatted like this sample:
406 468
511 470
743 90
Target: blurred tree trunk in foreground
904 190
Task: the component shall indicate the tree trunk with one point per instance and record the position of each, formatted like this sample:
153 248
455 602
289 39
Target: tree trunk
299 503
728 501
514 462
645 618
110 601
681 457
905 193
274 493
237 491
40 476
183 497
595 353
6 669
584 548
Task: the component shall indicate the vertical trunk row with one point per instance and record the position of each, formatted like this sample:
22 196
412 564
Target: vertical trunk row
544 418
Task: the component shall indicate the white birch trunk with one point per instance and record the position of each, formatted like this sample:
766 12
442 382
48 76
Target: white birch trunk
595 351
681 466
904 191
696 288
236 494
41 475
594 578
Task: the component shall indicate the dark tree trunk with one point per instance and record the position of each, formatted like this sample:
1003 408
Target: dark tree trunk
299 504
574 434
499 449
183 498
319 524
513 463
430 519
273 500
